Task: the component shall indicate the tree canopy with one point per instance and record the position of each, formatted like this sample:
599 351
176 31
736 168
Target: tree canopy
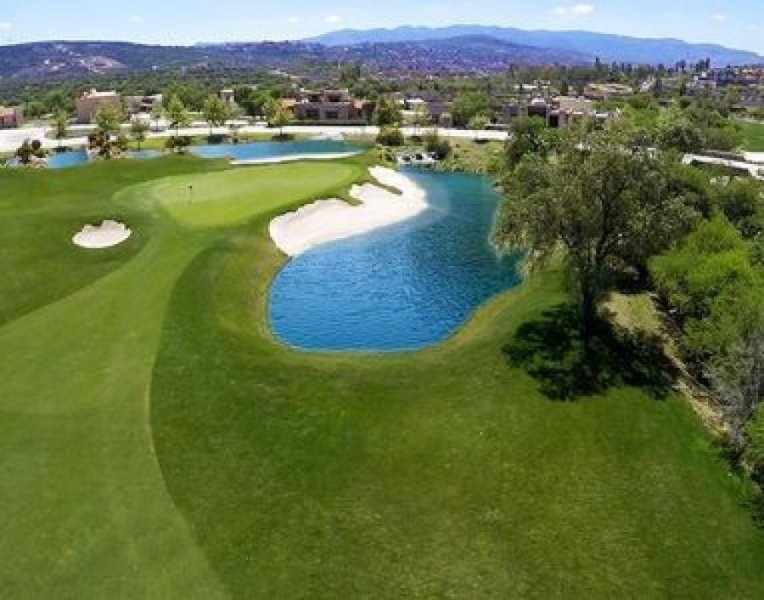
177 114
601 201
215 112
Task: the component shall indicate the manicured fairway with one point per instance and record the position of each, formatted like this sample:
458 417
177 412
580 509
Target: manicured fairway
86 513
439 474
156 443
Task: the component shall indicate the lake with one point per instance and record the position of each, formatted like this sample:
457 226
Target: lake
270 150
404 287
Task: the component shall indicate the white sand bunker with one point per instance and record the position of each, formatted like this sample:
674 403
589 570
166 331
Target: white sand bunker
105 235
329 220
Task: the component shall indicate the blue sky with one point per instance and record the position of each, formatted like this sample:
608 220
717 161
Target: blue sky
737 23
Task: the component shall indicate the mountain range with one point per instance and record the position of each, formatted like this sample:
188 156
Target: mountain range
466 54
606 47
458 49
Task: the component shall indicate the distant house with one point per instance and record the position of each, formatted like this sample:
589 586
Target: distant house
607 91
228 96
558 112
11 117
143 104
329 106
570 110
437 110
90 102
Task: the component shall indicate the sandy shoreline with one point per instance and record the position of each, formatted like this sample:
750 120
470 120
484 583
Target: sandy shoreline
330 220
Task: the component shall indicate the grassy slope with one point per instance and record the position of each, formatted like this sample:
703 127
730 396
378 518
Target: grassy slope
437 474
753 136
85 510
41 211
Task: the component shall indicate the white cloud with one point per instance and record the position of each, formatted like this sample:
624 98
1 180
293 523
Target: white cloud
719 18
574 10
6 25
333 19
135 19
293 20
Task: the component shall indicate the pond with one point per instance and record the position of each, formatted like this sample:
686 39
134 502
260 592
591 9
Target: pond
64 160
270 150
404 287
251 151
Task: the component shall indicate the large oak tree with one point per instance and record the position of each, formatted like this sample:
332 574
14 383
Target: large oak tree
603 199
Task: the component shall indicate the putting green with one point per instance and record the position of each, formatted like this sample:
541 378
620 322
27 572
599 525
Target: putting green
234 197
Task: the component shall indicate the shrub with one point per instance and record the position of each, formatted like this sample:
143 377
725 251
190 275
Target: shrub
216 138
390 136
178 143
437 145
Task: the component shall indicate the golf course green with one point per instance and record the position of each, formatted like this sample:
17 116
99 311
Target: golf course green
156 442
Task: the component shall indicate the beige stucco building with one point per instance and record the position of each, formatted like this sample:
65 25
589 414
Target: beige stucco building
11 117
90 102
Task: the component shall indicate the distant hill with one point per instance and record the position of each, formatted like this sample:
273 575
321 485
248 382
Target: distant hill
605 46
460 49
40 60
465 54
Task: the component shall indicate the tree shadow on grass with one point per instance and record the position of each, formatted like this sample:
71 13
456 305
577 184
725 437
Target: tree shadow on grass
552 350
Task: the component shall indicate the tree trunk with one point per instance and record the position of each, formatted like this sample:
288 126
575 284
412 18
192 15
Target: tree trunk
587 311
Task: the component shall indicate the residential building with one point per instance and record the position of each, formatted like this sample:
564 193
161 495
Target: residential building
143 104
11 117
437 110
90 102
229 97
607 91
558 112
329 106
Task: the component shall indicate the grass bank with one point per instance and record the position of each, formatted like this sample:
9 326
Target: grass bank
445 473
156 442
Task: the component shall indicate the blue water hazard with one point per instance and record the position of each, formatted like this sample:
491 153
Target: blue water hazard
64 160
403 287
264 150
251 151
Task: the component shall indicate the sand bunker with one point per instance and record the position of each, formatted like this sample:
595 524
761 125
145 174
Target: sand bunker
329 220
105 235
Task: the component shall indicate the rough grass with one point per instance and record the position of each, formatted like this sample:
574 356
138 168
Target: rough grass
753 136
155 441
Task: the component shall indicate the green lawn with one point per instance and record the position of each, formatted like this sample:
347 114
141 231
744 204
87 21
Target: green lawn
230 197
753 136
86 513
156 442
